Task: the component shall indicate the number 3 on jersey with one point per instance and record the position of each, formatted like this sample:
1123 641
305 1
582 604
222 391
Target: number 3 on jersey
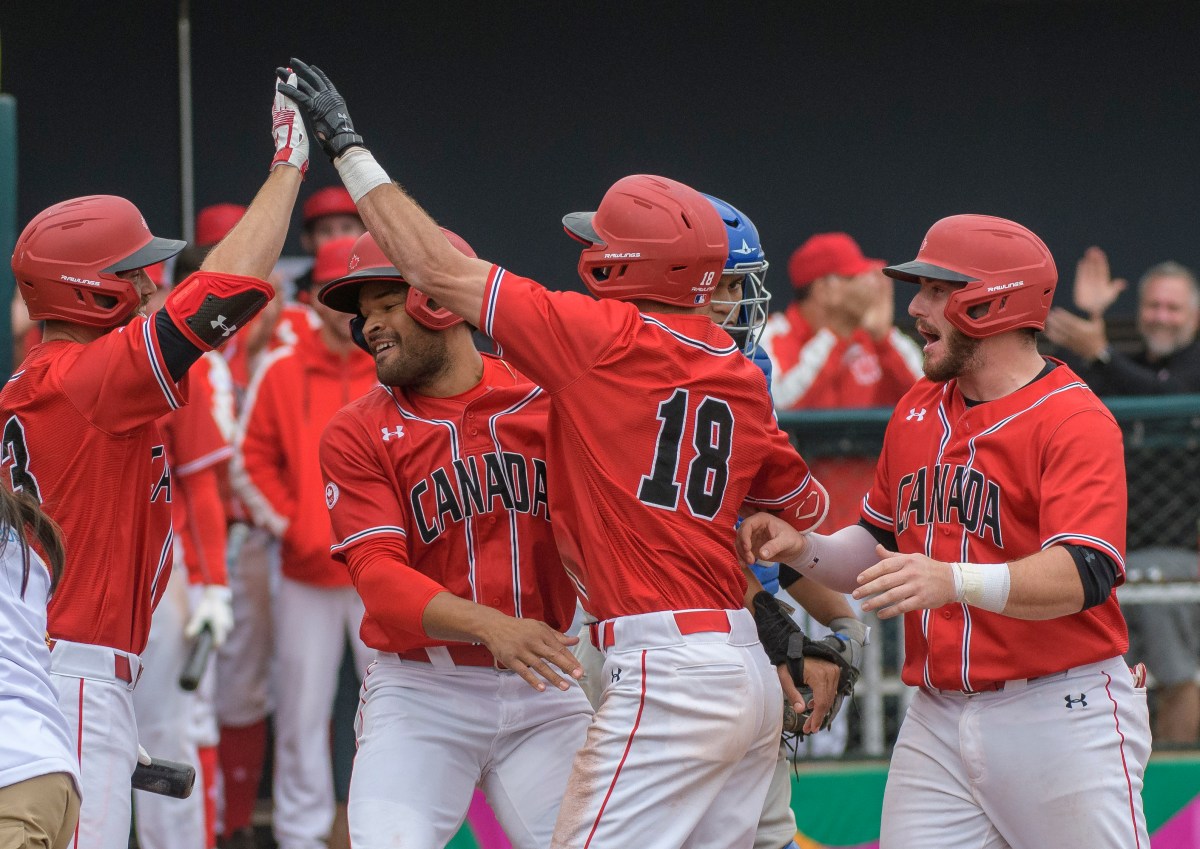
708 470
16 456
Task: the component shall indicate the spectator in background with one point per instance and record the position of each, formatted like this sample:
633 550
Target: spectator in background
837 346
329 213
277 475
1161 543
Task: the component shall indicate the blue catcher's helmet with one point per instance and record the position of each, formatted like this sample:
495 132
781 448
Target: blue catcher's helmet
748 315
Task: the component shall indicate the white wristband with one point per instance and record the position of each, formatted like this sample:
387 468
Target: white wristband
360 172
982 585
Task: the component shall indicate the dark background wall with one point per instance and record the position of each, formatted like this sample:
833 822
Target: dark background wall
1078 119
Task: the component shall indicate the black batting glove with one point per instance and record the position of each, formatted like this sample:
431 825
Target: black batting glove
325 107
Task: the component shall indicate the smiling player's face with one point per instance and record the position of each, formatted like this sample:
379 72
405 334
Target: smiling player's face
406 353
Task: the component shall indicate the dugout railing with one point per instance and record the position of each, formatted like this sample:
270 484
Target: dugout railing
1162 460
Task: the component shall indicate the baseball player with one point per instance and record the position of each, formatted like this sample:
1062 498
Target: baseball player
645 479
996 526
436 485
80 435
739 306
277 475
39 773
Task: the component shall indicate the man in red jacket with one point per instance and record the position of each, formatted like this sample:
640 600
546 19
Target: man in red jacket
277 475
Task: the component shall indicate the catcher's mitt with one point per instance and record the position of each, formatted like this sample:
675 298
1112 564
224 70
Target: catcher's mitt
785 643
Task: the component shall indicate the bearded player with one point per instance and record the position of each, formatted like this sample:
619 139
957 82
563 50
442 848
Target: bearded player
996 527
80 435
646 476
436 485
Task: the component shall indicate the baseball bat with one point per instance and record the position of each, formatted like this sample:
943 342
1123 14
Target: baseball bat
197 660
166 778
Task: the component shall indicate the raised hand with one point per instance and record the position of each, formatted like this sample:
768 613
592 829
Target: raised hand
287 128
1095 288
311 88
762 536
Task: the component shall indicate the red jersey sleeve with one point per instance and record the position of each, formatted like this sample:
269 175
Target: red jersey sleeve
120 381
1083 490
774 488
561 334
370 529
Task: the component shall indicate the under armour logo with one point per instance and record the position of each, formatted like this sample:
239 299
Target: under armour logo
343 120
388 434
744 249
1081 701
220 322
616 676
913 413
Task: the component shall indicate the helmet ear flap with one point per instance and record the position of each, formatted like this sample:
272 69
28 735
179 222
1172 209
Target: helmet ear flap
356 332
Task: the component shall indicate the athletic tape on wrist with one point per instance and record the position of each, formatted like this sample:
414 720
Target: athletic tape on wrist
360 172
982 585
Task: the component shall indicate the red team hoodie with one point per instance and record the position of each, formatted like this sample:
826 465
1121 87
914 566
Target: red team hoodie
276 470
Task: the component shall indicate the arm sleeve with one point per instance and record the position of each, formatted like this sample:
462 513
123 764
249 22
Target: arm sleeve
259 460
394 595
816 364
177 351
1097 571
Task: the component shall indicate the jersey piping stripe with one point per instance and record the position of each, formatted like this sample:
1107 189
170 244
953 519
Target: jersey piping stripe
15 376
774 502
489 309
1133 820
513 527
693 343
390 530
159 367
791 385
455 454
624 755
209 459
1089 541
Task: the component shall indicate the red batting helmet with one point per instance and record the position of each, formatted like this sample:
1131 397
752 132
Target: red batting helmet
1009 272
67 259
367 264
652 239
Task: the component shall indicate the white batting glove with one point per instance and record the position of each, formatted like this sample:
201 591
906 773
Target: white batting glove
143 756
287 127
212 606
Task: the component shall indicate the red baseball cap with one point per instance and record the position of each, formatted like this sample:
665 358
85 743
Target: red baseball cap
333 258
829 253
214 222
331 200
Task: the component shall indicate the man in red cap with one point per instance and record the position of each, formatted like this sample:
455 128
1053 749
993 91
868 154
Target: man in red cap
329 213
836 345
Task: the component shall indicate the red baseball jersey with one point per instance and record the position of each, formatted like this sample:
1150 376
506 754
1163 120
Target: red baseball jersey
660 430
459 486
198 438
993 483
80 433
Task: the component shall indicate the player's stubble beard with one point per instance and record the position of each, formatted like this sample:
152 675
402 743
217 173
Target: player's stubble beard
961 356
423 357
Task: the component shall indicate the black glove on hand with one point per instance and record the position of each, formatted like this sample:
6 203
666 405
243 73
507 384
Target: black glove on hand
326 108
